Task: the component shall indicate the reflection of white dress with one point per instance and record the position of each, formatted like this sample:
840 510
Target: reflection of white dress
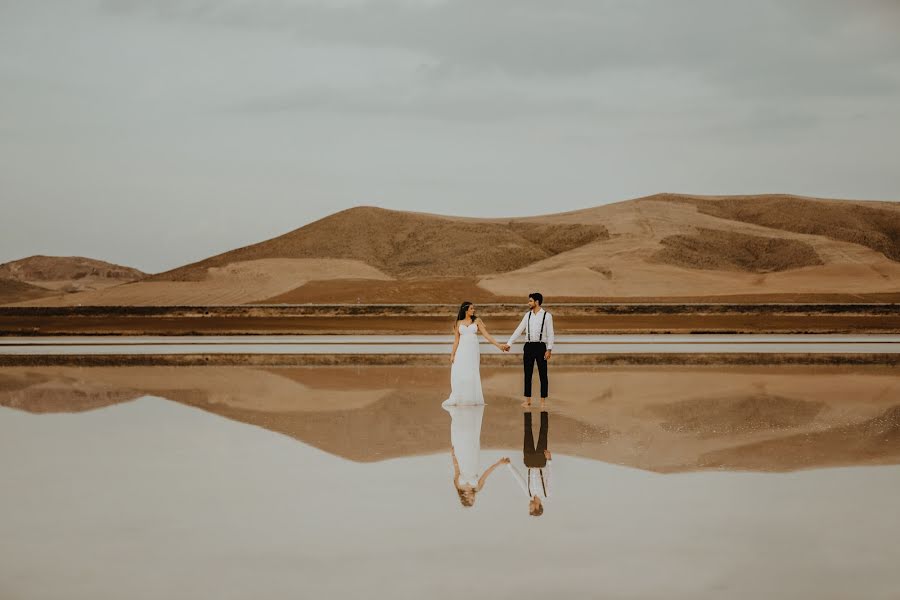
465 374
465 435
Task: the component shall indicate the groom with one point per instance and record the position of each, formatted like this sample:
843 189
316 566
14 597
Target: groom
537 324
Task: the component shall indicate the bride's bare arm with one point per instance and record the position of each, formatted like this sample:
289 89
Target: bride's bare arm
489 471
487 335
455 342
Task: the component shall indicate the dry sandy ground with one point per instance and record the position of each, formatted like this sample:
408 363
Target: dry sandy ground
665 419
663 246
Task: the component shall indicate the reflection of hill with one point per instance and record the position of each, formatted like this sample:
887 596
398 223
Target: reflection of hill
665 419
738 414
874 441
39 393
404 423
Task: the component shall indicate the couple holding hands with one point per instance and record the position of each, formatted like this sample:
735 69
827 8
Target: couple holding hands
465 358
466 403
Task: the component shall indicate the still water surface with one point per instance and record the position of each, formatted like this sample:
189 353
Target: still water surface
667 482
441 344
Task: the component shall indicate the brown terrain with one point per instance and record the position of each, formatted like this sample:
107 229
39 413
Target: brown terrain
664 419
12 290
665 247
52 276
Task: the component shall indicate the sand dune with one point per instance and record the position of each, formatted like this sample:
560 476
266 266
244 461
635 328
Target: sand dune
731 251
406 245
626 265
666 246
68 273
233 283
426 290
12 290
875 226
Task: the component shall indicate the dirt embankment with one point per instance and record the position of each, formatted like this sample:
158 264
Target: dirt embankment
438 319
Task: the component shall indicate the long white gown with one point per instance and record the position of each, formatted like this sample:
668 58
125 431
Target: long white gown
465 374
466 405
465 436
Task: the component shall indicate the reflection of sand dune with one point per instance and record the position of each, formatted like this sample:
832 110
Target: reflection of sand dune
66 390
40 393
874 441
273 391
664 419
405 423
709 417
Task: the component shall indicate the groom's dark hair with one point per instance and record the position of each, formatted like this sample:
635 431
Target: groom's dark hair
537 296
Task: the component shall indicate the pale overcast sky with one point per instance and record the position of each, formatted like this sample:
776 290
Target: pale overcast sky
154 133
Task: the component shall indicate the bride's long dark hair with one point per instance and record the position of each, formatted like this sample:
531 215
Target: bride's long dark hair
461 315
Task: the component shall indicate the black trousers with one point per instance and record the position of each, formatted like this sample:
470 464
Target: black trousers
534 455
534 351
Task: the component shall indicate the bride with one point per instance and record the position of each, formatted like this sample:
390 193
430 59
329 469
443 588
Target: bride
466 405
465 372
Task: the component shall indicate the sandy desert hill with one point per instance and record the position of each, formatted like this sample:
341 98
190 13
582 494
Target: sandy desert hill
12 290
52 275
657 247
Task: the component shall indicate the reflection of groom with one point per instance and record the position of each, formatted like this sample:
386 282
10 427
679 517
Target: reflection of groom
536 483
537 324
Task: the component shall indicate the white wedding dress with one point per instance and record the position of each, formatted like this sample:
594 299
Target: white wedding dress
465 437
465 374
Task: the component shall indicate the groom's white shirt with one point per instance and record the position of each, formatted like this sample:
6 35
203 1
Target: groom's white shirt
538 481
533 332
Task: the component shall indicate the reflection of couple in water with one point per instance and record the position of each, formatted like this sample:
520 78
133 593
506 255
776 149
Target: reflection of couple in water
466 403
465 440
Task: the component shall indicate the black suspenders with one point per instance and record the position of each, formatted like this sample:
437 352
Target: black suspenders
541 334
543 483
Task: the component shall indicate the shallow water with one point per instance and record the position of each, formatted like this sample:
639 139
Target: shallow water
436 344
668 482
